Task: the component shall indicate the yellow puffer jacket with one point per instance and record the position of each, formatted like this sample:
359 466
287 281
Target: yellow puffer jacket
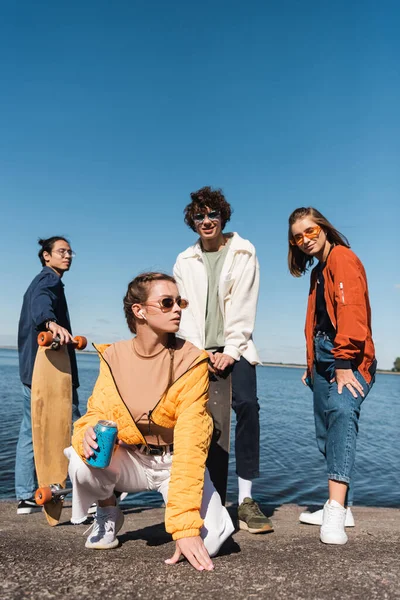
182 408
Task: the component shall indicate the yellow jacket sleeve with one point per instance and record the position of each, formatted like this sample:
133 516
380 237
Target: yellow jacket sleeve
96 410
192 437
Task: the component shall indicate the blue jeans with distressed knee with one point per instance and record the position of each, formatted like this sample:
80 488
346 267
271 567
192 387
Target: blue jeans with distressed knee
336 415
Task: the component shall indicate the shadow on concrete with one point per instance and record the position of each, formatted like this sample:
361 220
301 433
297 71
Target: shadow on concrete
154 535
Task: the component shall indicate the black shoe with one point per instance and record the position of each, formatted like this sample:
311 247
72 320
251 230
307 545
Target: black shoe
26 507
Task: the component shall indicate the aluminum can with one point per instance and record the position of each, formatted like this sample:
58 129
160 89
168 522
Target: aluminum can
106 435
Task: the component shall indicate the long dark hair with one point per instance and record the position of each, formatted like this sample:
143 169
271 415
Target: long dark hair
47 246
298 261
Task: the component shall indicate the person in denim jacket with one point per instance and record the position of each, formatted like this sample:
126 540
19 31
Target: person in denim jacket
44 308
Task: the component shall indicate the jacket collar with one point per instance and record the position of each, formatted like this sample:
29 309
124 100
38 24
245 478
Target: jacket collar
101 348
51 271
238 244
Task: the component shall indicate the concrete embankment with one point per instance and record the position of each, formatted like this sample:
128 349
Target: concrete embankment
38 561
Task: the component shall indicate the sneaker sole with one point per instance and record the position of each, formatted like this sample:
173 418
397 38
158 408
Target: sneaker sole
265 529
99 546
337 542
29 511
305 521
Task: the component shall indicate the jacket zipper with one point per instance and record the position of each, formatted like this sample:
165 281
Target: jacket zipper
341 286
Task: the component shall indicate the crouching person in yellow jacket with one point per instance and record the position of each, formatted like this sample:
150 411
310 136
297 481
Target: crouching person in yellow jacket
155 388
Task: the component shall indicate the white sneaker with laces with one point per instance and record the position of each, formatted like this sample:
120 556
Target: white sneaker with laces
107 522
315 518
332 528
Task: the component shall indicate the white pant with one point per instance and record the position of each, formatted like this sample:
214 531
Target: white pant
131 471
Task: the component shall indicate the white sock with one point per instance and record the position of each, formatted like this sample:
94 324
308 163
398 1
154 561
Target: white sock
244 489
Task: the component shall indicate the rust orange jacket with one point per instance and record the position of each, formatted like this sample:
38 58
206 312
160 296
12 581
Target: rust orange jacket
347 304
183 407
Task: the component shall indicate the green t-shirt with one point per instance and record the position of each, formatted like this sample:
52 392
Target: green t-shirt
214 327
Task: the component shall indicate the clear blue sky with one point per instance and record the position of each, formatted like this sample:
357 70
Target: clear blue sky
111 113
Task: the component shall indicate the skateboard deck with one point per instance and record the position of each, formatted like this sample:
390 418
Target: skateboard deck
51 420
219 404
51 408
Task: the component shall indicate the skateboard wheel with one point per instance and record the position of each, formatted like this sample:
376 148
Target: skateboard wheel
45 338
81 342
43 495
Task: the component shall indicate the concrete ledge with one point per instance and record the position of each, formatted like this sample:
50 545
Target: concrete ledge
38 561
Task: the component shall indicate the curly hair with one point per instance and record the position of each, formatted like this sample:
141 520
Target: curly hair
298 261
204 198
138 292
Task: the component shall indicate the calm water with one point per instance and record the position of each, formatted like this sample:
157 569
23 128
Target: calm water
292 470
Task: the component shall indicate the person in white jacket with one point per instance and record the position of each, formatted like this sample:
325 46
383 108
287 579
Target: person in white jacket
219 275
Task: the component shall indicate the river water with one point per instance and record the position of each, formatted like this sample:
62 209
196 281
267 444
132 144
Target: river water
292 470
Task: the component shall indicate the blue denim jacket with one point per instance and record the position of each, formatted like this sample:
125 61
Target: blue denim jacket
44 300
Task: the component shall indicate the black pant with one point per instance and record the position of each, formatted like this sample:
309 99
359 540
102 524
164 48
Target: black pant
247 433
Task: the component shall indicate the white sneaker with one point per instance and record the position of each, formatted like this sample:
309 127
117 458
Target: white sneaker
107 522
332 528
315 518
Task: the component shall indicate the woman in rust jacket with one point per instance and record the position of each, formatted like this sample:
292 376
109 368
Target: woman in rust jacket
341 360
155 388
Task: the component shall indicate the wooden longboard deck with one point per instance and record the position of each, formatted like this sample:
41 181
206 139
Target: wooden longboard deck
51 420
219 404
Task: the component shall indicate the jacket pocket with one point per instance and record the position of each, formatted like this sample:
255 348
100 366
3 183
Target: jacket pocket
350 293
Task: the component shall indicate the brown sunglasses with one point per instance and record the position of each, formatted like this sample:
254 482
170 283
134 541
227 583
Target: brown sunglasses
168 302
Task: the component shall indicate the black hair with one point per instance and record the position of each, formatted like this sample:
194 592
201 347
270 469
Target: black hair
204 198
48 245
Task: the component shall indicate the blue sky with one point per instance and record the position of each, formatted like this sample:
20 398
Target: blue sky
112 113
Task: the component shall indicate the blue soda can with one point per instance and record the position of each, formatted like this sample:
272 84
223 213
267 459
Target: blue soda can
106 435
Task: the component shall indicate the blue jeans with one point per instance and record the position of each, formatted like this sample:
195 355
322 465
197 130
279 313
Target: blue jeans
25 475
336 415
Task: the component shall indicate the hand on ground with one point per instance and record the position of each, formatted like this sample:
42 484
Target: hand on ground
194 550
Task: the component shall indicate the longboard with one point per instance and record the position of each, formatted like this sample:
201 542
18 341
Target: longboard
51 408
219 404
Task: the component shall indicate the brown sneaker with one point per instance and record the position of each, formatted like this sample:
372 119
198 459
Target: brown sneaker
251 518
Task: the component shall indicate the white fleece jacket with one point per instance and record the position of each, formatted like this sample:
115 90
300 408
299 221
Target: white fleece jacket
237 291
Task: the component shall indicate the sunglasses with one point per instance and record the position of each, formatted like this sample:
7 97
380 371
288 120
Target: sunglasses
167 303
213 215
311 234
